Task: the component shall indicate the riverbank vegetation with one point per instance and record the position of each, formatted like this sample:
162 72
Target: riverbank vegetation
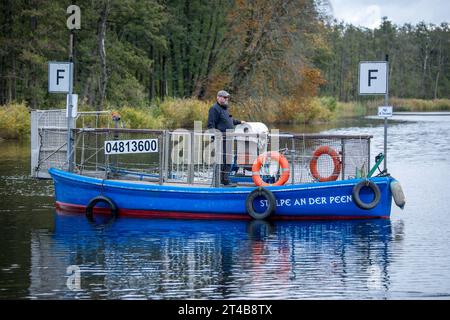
180 113
160 63
14 121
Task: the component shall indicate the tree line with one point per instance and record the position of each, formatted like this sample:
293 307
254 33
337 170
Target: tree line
135 53
418 58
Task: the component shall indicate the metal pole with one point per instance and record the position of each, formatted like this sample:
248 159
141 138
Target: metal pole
293 154
218 146
191 157
385 140
115 169
166 154
69 109
161 144
343 158
386 103
368 155
71 46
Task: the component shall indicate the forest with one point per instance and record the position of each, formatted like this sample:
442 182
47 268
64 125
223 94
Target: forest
275 57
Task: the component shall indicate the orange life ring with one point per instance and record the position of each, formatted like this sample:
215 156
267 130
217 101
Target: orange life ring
282 161
336 163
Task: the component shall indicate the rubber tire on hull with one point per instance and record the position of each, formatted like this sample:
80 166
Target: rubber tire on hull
357 189
98 199
260 192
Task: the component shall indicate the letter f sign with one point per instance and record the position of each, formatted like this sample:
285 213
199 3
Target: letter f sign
371 77
58 76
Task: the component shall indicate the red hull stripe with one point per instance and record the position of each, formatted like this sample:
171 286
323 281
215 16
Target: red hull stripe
74 208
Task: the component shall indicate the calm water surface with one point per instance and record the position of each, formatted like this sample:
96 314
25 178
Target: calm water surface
405 257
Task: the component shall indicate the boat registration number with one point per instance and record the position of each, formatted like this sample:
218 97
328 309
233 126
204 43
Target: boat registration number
131 146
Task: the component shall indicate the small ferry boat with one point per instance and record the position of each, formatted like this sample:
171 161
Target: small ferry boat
177 174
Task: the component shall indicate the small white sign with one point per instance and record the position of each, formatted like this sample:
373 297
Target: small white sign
373 77
59 77
131 146
385 111
74 105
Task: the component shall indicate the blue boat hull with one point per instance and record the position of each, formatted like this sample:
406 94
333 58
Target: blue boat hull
326 200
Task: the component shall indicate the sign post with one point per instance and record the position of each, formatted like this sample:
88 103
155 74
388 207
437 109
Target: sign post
374 80
73 22
60 79
69 122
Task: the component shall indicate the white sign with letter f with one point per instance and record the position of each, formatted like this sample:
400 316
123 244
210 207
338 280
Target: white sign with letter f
373 78
59 77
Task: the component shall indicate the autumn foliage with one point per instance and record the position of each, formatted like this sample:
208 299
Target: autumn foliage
273 56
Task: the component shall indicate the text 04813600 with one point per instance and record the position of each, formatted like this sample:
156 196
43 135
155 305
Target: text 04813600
131 146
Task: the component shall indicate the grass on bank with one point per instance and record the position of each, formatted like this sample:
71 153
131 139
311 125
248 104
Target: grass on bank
14 121
181 113
358 108
415 105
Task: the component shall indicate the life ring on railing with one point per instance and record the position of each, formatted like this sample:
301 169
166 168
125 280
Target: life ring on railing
357 199
282 161
336 163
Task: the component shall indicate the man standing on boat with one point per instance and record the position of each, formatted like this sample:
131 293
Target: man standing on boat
219 118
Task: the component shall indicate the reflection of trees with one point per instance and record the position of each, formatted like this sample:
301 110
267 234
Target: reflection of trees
135 258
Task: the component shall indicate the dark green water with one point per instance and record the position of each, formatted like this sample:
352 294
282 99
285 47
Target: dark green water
404 257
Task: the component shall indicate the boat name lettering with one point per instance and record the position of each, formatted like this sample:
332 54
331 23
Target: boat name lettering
131 146
309 201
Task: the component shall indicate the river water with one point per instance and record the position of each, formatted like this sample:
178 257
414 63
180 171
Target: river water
404 257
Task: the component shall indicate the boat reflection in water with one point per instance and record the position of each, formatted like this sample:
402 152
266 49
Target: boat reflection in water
176 259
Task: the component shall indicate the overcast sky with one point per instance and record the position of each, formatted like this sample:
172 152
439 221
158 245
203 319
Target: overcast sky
368 13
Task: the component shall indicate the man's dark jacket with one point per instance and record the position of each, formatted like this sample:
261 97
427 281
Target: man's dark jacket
219 118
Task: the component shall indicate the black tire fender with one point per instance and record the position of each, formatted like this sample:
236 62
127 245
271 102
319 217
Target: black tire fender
357 199
98 199
260 192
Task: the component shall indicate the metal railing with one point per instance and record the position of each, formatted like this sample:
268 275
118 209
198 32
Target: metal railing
197 158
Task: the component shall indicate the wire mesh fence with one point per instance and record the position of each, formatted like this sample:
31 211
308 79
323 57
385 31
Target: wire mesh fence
48 141
91 159
49 137
201 158
192 157
325 158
